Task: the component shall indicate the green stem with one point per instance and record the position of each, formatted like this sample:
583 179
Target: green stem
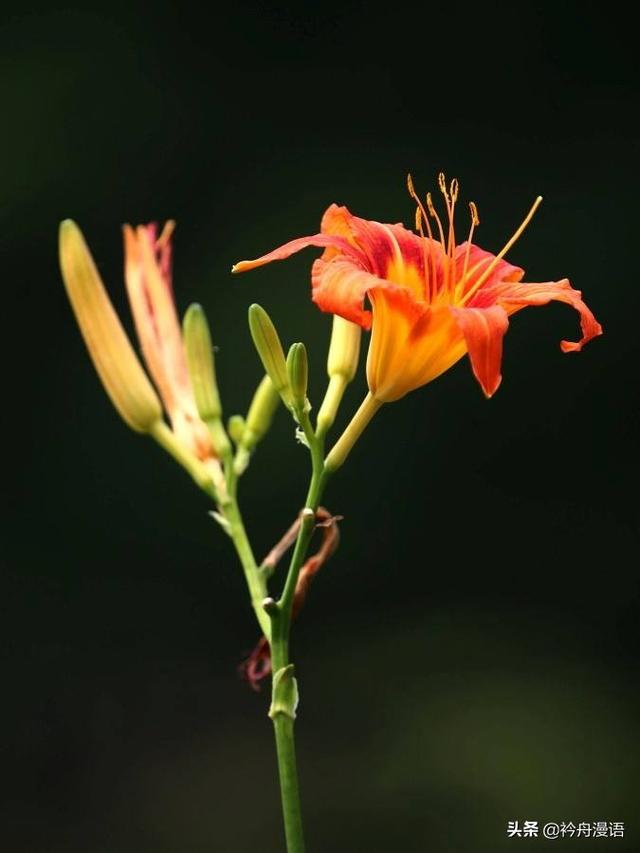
288 772
255 579
285 693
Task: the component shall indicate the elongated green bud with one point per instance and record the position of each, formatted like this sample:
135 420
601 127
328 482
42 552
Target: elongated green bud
197 341
298 370
344 349
259 417
201 366
261 411
118 367
269 349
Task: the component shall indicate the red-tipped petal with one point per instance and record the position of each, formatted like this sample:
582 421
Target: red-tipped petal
320 240
514 296
483 330
389 250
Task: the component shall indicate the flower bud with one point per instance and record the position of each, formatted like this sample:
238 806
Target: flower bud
236 427
197 341
344 349
342 363
117 365
265 402
270 350
298 372
200 363
261 411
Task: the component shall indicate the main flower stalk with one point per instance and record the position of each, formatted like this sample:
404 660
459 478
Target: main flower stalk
285 691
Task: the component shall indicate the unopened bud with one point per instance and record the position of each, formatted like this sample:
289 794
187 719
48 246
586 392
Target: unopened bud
263 406
236 427
117 365
199 349
344 349
342 363
298 370
200 363
269 349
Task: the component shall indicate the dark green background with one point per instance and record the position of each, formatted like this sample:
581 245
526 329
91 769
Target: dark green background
470 655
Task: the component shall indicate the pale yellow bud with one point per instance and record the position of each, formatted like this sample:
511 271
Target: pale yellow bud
118 367
342 363
344 349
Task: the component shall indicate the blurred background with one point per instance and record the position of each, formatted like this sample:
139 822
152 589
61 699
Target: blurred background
470 655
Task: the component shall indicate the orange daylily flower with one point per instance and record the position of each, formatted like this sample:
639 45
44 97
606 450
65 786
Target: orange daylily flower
431 300
150 291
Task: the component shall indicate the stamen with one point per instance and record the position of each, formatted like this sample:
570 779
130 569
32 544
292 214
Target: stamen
453 193
475 221
434 214
421 216
442 183
504 250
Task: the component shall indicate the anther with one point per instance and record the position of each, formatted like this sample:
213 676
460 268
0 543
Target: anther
475 219
442 183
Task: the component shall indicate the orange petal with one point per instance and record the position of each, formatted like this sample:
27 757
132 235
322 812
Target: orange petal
514 296
411 343
150 294
483 330
152 308
339 287
390 251
293 246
